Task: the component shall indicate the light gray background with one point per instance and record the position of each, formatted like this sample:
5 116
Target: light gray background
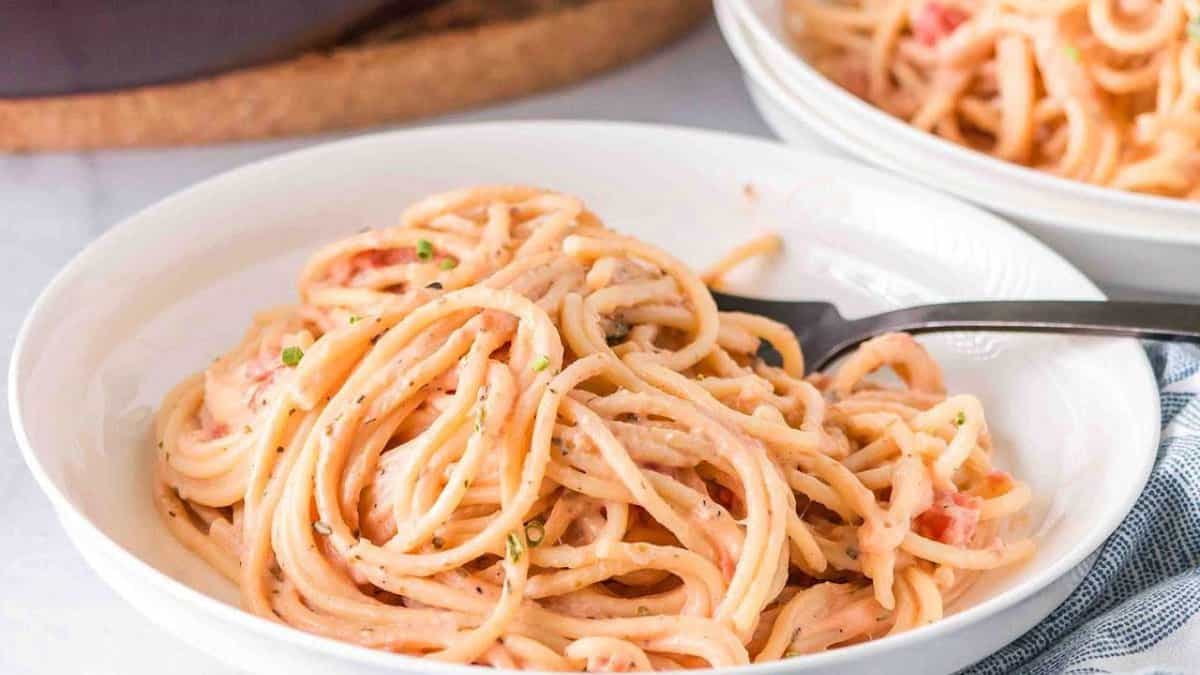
56 616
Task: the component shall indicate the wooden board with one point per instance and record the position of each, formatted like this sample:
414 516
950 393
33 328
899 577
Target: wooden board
358 86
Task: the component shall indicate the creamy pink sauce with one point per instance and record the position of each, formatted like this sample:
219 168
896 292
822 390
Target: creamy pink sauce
998 483
345 271
349 271
935 21
239 384
611 663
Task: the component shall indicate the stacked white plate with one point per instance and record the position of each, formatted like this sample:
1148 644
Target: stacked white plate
1118 238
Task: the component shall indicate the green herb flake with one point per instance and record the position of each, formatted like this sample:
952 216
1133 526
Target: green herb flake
291 356
535 532
424 249
515 548
1072 52
354 318
540 363
448 264
960 419
643 610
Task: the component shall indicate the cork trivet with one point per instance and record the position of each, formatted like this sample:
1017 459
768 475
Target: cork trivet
357 86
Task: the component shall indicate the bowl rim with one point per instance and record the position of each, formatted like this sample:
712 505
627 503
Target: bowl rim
1030 178
145 221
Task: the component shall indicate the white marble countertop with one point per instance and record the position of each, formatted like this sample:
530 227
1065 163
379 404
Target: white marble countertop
56 615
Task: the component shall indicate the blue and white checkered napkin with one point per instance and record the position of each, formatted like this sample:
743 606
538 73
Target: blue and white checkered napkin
1138 610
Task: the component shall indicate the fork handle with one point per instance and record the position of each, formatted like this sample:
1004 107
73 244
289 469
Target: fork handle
1148 320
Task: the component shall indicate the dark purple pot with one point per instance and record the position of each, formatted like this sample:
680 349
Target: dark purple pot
52 47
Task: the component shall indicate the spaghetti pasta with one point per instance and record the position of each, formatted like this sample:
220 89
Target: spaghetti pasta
500 433
1100 91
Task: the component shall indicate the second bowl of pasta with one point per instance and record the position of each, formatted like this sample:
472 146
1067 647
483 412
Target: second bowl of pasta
1088 173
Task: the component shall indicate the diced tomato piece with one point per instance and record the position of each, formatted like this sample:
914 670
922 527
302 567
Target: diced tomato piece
935 21
951 520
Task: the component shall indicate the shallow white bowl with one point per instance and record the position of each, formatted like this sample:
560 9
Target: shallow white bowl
162 293
1116 237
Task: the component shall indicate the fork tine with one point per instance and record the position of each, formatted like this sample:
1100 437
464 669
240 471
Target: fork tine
817 325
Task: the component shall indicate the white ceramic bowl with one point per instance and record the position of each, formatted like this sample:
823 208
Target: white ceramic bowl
159 295
1116 237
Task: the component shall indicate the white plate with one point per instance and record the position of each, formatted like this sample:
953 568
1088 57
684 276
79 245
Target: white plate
162 293
1117 237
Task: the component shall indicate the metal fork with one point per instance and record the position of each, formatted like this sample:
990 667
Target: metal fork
825 334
